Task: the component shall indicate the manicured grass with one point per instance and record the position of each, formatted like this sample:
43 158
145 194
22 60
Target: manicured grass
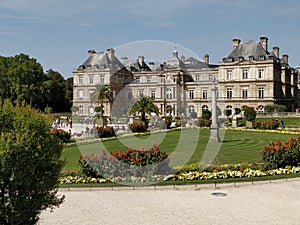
237 146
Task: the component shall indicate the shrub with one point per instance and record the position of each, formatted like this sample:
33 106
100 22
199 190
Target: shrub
30 165
61 135
104 131
206 114
279 154
138 127
203 122
193 115
266 125
249 114
133 162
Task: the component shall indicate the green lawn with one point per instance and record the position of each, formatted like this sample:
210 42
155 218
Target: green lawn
237 146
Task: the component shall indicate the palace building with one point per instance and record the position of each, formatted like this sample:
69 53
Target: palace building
251 74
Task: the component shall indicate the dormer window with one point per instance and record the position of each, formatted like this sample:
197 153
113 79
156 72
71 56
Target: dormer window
230 59
261 58
241 58
251 58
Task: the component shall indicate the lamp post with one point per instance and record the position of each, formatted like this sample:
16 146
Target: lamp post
214 128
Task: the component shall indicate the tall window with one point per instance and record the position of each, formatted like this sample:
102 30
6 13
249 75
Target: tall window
102 79
191 93
244 93
80 109
229 92
91 79
80 79
260 73
141 93
152 94
229 75
204 94
91 109
148 79
197 77
260 92
169 93
245 74
137 80
80 93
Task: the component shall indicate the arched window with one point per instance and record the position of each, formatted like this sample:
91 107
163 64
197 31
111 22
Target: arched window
191 108
205 107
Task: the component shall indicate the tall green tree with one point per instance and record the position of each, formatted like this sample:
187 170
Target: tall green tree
25 78
30 165
68 93
145 105
101 94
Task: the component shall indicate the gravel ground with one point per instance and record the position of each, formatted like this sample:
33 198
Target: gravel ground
265 202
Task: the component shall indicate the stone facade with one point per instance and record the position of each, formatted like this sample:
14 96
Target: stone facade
250 75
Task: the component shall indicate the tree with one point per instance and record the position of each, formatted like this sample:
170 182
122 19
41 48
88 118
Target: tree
145 105
249 114
30 165
25 78
227 112
101 94
206 114
193 115
68 92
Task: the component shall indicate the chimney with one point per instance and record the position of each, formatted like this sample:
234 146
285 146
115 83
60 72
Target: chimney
276 51
206 58
111 54
285 58
236 42
141 60
264 42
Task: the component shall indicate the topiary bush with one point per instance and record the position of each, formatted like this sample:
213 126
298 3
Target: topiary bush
281 154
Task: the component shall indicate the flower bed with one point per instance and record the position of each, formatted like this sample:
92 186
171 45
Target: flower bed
184 176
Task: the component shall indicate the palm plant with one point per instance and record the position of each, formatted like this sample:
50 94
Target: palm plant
145 105
101 94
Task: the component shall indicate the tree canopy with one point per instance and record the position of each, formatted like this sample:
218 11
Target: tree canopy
145 105
101 94
22 79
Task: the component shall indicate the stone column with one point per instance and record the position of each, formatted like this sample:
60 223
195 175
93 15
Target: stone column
214 128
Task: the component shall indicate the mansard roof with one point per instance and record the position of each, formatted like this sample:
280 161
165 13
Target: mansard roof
102 60
194 63
248 49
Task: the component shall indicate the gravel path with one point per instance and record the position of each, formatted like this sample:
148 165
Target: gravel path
276 202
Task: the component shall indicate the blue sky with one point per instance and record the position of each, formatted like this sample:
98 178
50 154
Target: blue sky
58 33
